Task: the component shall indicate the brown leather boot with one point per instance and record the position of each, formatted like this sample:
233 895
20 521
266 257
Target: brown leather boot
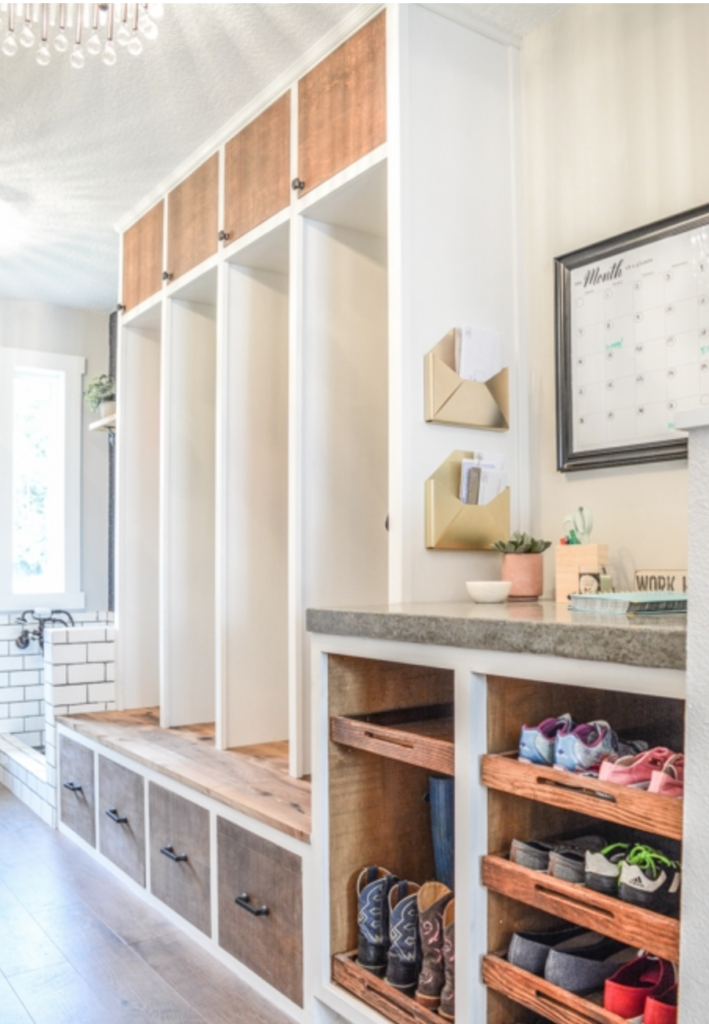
432 900
447 1007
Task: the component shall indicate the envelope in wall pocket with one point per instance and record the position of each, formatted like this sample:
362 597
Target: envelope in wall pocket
468 403
452 525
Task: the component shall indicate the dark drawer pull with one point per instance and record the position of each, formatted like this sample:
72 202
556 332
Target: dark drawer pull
169 851
243 901
113 815
73 786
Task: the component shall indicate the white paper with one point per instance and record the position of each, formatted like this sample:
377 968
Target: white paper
492 483
478 353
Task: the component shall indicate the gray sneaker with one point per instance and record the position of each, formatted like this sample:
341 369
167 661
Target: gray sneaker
568 860
529 950
585 970
534 854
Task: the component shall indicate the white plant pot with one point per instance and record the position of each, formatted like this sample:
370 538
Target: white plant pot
106 409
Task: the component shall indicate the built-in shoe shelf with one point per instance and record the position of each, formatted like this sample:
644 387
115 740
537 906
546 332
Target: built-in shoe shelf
644 929
422 736
375 992
635 808
552 1002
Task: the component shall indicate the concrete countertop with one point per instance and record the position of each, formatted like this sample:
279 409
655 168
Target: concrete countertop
541 627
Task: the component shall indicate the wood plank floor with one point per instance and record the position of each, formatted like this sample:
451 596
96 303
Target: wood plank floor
253 780
77 947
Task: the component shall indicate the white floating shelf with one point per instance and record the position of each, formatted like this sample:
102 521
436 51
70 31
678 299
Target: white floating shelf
107 423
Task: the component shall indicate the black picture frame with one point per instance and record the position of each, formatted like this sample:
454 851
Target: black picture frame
625 245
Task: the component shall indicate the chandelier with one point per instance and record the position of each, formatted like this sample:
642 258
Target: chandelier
82 28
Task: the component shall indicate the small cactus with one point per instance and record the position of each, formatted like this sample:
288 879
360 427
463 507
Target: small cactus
522 544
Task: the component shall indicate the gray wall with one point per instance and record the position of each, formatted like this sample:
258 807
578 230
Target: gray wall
38 326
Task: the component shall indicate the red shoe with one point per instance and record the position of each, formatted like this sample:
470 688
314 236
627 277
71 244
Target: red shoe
626 992
635 769
662 1009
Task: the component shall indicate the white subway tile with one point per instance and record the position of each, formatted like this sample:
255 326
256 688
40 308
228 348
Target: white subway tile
91 672
110 632
33 723
66 695
10 632
110 705
54 636
4 649
70 654
12 694
87 709
33 661
4 711
102 652
86 635
4 678
55 675
110 670
102 691
34 692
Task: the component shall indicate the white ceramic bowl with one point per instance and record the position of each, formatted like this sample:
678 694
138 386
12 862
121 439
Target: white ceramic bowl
489 591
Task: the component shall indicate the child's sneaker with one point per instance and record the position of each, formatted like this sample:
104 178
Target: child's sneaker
669 780
602 869
635 769
649 879
536 742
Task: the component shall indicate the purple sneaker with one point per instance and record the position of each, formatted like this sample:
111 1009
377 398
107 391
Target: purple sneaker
536 743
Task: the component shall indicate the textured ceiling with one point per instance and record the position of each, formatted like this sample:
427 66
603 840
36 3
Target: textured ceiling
80 148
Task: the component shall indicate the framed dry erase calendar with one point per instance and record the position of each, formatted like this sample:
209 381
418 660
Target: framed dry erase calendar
632 343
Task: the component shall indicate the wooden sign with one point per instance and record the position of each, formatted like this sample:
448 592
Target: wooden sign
661 579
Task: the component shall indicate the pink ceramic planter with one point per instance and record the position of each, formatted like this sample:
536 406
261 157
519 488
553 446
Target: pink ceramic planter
526 574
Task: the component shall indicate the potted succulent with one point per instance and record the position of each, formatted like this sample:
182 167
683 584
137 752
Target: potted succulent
523 566
100 395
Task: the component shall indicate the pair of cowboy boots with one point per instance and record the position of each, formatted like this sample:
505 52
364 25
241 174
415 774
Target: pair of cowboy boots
436 984
387 917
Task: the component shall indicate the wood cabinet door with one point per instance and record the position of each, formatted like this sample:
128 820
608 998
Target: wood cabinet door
264 929
192 214
121 827
76 788
257 170
342 106
179 856
143 257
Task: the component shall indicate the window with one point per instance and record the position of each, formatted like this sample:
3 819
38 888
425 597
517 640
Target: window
40 480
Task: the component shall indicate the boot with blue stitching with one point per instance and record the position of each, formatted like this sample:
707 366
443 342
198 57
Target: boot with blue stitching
373 887
404 957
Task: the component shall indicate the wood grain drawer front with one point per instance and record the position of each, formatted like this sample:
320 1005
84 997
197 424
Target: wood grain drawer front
257 170
260 874
76 788
192 214
342 106
179 856
143 257
121 823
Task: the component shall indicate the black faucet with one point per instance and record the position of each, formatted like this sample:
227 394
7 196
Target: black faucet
57 617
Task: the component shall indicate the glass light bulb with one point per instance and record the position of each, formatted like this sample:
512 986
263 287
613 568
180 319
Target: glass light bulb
44 55
109 54
61 43
148 27
124 34
135 46
27 36
77 59
9 47
94 45
156 10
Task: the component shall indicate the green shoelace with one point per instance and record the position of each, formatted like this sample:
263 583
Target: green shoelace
649 859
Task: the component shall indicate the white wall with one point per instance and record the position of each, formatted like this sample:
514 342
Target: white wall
615 117
36 325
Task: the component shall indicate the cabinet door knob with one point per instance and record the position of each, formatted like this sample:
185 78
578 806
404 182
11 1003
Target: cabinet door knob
169 851
224 236
297 184
244 901
120 308
73 786
166 275
113 815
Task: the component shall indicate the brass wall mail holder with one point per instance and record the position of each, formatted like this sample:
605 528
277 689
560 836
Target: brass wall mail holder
465 403
452 525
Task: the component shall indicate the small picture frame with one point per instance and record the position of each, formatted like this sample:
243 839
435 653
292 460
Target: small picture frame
632 343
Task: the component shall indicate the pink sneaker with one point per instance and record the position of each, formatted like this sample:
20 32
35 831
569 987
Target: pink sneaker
637 769
669 780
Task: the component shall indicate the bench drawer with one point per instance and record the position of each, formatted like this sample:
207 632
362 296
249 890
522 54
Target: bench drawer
121 829
261 875
76 788
179 856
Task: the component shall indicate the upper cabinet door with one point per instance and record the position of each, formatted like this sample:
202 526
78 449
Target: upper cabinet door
142 257
192 214
257 170
342 106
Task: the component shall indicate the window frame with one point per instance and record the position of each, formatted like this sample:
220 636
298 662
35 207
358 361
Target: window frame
74 368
